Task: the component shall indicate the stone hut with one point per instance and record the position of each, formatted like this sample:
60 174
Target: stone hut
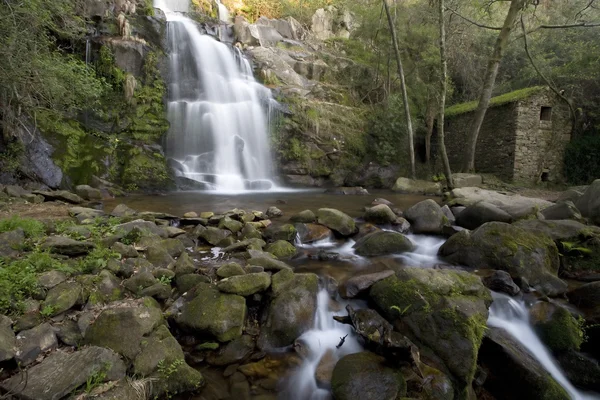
523 136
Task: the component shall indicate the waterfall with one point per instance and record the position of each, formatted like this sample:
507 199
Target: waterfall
513 316
217 112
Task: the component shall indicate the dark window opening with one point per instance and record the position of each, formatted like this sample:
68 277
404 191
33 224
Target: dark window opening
545 176
546 114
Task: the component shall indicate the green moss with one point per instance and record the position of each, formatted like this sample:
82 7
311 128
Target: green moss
506 98
561 331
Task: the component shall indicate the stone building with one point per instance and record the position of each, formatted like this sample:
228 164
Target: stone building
522 139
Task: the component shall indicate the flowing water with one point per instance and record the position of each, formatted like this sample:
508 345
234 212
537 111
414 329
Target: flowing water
513 316
218 132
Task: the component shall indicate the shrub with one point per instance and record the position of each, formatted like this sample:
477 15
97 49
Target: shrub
582 159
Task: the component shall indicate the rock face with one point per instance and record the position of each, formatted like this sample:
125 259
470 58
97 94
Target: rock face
478 214
292 310
426 217
213 313
366 376
445 310
496 245
61 373
382 243
409 186
336 220
508 362
589 203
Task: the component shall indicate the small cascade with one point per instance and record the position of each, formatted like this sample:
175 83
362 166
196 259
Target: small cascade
223 12
513 316
218 132
88 51
324 337
425 253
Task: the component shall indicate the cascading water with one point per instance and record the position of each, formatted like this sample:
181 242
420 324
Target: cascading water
216 109
512 316
324 337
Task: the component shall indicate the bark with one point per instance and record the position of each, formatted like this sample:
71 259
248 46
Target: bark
443 89
490 79
409 128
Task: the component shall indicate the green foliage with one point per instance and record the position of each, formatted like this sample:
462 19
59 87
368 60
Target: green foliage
10 159
168 369
505 98
582 159
31 227
96 260
165 280
387 130
47 311
574 249
97 378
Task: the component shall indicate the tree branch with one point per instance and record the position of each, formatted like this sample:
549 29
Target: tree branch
495 28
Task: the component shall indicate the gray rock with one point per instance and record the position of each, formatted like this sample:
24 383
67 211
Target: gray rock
589 203
478 214
140 281
66 246
273 212
214 235
380 214
383 243
8 343
233 352
562 210
245 285
62 297
359 283
187 282
124 250
462 180
122 210
69 333
142 226
231 269
10 242
409 186
60 195
254 244
268 263
500 281
426 217
336 220
33 342
88 193
306 216
515 205
159 257
59 374
357 190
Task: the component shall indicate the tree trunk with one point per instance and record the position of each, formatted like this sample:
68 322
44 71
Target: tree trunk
409 128
490 79
443 89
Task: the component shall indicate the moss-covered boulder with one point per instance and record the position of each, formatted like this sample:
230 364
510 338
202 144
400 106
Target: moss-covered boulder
366 376
251 231
556 327
242 245
380 214
478 214
124 250
162 359
268 262
336 220
62 297
66 246
159 257
189 281
382 243
213 235
282 249
306 217
426 217
174 247
230 224
184 265
445 310
230 269
245 285
280 232
528 257
211 312
291 311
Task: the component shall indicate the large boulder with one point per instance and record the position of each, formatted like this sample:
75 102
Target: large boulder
280 232
478 214
214 235
213 313
245 285
366 376
33 342
383 242
589 203
562 210
410 186
586 296
59 195
282 249
59 374
336 220
513 372
426 217
380 214
530 258
88 193
445 310
62 297
291 311
580 369
556 327
306 217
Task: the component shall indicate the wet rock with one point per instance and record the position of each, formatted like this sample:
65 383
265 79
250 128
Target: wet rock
366 376
280 232
282 249
273 212
380 214
357 284
306 217
563 210
231 269
88 193
62 297
292 310
426 217
60 195
8 343
10 242
123 211
501 246
478 214
233 352
508 361
49 279
581 370
336 220
556 327
445 310
589 203
383 243
61 373
500 281
309 233
33 342
122 328
214 235
409 186
245 285
213 313
66 246
325 367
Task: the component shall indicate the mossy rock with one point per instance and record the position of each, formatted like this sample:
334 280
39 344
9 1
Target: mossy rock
336 220
214 235
159 257
445 310
366 376
231 224
282 249
305 217
230 269
144 169
556 327
184 265
268 263
186 282
173 247
245 285
281 232
250 231
426 217
214 313
380 214
382 243
62 298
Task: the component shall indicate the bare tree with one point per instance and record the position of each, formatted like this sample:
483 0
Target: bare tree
516 6
443 89
409 128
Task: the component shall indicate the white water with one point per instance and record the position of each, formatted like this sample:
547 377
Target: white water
326 335
219 127
512 316
425 252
